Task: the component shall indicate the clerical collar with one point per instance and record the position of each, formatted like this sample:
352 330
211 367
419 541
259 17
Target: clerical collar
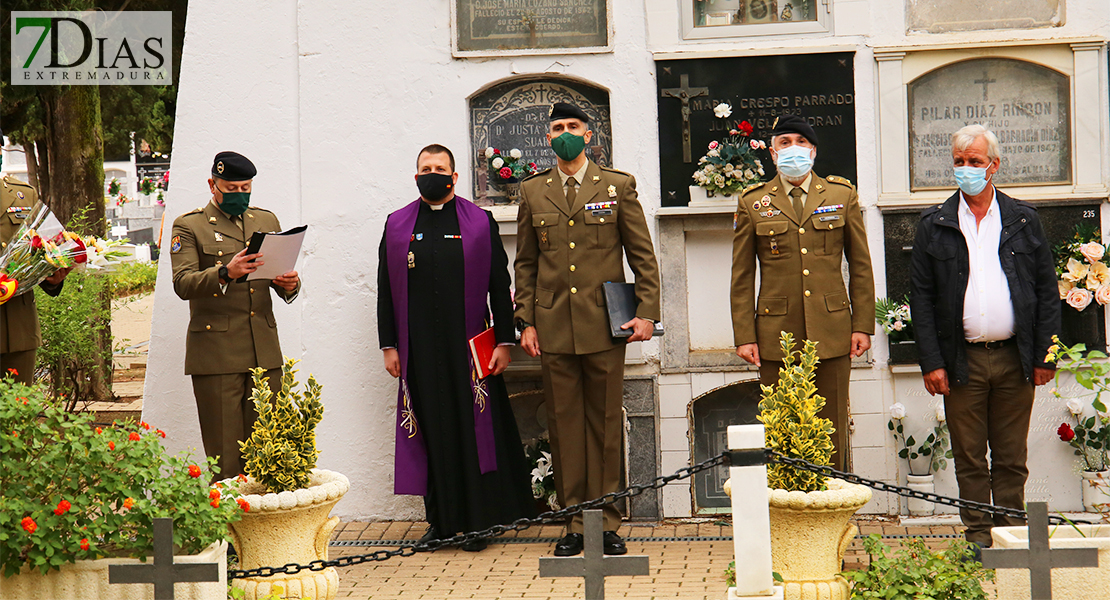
437 206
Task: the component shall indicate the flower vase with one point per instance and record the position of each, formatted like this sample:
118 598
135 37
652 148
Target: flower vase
701 197
1096 489
510 191
920 483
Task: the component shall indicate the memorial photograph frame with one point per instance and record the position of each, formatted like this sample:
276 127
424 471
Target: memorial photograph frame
462 44
821 26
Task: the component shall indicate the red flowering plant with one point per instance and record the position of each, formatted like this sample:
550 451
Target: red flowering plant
730 165
70 490
508 168
1090 436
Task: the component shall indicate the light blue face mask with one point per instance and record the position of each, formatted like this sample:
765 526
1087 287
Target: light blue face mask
794 161
971 180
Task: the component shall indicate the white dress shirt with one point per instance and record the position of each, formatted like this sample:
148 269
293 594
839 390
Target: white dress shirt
988 310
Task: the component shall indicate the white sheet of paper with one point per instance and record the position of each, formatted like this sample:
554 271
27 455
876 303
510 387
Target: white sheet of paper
279 253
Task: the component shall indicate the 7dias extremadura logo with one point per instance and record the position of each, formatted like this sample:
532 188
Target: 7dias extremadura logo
91 48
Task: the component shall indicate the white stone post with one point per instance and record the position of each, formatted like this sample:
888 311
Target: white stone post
751 521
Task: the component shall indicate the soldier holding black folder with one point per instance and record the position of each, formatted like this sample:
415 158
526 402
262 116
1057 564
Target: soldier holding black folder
576 224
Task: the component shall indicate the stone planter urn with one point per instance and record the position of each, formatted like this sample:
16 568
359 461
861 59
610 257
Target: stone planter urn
88 580
290 527
809 534
1089 582
920 483
1096 489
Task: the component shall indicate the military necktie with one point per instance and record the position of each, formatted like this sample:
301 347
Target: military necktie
796 195
572 193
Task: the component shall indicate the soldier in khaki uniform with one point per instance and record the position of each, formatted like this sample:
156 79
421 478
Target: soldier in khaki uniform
20 335
573 224
801 227
231 325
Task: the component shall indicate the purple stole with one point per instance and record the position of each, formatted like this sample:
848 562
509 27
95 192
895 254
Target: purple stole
410 466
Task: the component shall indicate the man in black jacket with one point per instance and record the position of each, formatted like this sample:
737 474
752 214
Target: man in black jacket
985 306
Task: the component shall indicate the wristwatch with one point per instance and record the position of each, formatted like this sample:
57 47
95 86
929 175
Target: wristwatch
223 274
521 325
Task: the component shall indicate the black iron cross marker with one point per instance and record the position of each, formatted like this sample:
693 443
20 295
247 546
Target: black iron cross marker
162 572
593 565
1039 559
684 92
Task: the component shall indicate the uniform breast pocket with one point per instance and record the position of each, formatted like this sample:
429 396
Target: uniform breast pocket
601 227
219 253
832 228
771 239
546 230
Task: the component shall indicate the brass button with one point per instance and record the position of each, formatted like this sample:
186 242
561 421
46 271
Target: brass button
571 223
572 267
807 296
542 222
772 232
804 272
572 244
804 251
220 253
208 327
574 290
602 219
801 230
766 310
252 289
215 295
252 312
219 263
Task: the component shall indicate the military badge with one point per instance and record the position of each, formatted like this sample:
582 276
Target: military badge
755 205
827 209
735 221
19 194
774 246
219 237
612 191
765 201
220 167
175 244
211 219
419 236
412 260
597 178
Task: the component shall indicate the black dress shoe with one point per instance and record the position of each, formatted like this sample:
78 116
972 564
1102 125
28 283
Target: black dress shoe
613 543
431 535
570 545
475 545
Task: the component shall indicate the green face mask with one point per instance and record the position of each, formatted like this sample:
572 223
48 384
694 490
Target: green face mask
234 203
568 146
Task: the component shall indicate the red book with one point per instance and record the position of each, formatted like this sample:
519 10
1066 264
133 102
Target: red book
481 350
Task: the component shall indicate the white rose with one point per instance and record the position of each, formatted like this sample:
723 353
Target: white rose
489 153
748 174
1075 407
897 411
514 153
714 153
940 413
1092 251
498 162
722 110
719 181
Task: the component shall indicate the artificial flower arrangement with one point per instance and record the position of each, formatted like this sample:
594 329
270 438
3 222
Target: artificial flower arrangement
122 199
70 489
41 247
509 168
1090 437
1082 273
895 319
113 187
730 165
935 446
543 472
147 186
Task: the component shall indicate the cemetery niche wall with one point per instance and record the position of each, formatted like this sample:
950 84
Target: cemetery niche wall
515 114
818 87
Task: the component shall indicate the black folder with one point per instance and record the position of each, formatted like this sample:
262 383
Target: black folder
620 300
255 244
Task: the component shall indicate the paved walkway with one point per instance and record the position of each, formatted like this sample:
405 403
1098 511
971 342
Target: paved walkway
688 560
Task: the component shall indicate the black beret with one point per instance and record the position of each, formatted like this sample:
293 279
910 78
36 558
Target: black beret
563 110
233 166
794 124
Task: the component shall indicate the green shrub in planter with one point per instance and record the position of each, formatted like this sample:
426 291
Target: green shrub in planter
71 490
917 573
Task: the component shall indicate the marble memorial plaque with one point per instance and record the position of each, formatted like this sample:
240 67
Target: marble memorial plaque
1024 104
819 87
939 16
515 114
736 404
491 25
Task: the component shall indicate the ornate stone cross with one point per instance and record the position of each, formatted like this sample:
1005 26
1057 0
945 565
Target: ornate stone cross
162 571
684 92
1039 559
593 565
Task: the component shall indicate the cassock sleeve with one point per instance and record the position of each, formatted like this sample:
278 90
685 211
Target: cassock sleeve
500 300
387 324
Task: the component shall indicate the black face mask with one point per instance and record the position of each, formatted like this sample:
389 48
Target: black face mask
434 186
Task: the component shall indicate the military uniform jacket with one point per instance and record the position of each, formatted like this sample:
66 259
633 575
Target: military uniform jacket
232 331
801 282
19 318
565 254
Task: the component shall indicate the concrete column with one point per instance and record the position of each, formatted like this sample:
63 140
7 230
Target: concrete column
751 520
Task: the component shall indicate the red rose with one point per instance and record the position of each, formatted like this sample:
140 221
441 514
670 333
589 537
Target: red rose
496 151
505 172
29 524
63 506
194 471
80 255
36 242
134 437
111 445
84 543
746 128
1065 432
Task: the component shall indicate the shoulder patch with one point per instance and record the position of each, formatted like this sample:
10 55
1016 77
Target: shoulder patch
753 186
175 244
838 179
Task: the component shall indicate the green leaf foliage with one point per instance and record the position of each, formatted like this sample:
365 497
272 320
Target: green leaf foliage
788 411
281 451
915 572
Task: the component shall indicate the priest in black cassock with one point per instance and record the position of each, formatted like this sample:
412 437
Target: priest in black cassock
441 269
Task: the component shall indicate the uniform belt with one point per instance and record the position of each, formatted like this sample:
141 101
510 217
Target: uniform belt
992 345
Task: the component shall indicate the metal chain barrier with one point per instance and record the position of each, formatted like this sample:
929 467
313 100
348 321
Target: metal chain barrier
547 518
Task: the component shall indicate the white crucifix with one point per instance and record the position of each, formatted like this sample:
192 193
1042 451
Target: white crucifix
593 565
751 519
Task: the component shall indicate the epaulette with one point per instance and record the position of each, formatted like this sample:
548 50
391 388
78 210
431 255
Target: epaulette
838 179
617 171
537 174
13 182
753 186
195 211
